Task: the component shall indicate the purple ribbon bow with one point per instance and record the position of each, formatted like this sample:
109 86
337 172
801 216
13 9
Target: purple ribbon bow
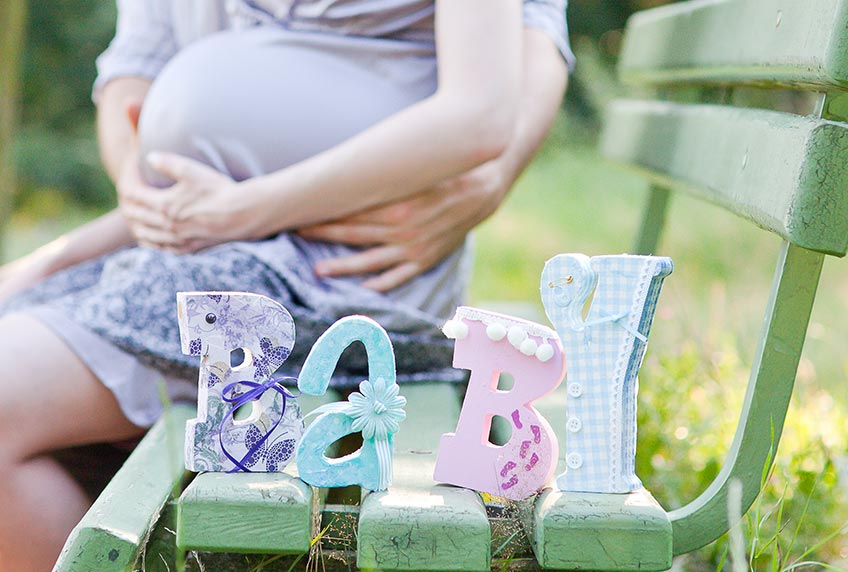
256 391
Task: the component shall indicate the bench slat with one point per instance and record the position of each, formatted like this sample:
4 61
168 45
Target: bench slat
786 173
592 531
417 525
113 531
246 512
739 42
251 512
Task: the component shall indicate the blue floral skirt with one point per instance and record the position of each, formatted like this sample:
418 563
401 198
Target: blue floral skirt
118 314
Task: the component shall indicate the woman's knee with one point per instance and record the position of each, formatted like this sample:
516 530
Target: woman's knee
51 399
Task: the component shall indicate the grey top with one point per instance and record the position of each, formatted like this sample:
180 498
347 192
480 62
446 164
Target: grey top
151 32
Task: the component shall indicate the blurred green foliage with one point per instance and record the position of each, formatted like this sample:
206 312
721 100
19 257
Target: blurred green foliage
55 148
598 24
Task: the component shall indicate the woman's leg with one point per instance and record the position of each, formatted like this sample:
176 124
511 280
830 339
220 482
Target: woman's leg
48 400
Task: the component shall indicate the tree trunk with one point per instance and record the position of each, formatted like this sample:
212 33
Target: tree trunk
13 26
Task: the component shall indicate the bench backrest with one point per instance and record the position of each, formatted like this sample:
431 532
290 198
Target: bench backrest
785 172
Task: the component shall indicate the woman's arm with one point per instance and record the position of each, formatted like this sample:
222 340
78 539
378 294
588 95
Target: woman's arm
118 106
410 236
468 121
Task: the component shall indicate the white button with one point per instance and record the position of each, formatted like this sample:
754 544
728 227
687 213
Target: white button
575 389
574 424
574 460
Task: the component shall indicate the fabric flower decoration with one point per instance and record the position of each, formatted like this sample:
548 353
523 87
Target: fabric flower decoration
376 409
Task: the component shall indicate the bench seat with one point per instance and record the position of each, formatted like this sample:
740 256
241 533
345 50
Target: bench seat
229 521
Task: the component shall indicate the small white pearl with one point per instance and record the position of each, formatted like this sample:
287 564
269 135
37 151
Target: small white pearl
528 347
455 329
460 329
449 329
516 335
545 352
496 332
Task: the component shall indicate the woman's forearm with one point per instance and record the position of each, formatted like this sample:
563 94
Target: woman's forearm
469 121
100 236
88 241
544 80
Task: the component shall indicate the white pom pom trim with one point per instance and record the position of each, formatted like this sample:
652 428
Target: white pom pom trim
516 335
455 329
496 332
544 352
460 329
449 329
528 347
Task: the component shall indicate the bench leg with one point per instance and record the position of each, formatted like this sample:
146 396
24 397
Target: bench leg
766 401
653 220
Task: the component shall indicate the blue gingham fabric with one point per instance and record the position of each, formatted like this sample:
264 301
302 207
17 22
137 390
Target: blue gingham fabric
603 353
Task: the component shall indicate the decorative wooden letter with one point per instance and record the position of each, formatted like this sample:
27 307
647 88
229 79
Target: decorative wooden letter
375 410
212 326
489 344
604 355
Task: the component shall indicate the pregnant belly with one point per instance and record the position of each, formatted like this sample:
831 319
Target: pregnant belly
255 101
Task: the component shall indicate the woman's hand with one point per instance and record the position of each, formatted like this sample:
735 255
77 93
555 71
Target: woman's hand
200 209
410 236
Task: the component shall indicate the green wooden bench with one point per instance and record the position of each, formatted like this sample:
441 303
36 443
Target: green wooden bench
786 173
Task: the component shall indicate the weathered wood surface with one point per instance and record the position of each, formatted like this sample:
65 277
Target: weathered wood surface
592 531
416 524
247 512
786 173
653 221
739 42
251 512
113 532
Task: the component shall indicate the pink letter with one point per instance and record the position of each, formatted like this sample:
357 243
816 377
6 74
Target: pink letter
488 344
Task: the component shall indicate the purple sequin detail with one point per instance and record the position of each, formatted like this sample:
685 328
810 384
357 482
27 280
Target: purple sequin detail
507 468
510 483
537 433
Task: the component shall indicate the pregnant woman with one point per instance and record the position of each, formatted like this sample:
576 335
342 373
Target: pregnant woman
330 154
